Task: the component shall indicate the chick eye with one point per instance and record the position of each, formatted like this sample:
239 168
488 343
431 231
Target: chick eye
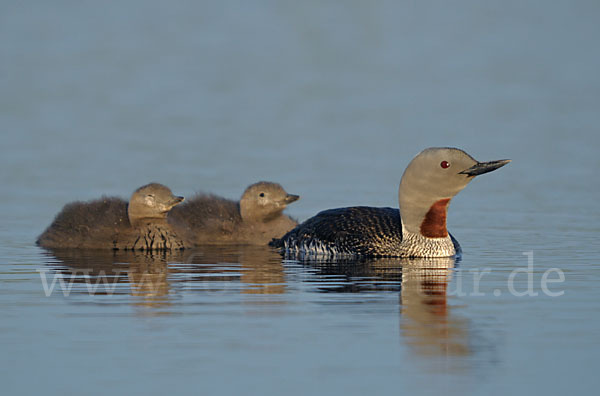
261 194
445 164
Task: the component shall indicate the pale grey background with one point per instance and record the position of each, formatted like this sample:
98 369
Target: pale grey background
331 99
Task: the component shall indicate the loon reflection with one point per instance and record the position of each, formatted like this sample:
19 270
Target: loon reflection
427 322
426 318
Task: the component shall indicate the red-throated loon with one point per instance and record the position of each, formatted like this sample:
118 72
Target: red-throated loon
417 229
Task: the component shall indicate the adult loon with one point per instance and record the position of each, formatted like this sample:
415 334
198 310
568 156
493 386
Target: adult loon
112 223
417 229
256 219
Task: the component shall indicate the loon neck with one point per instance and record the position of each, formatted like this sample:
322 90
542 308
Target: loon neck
425 219
424 232
434 222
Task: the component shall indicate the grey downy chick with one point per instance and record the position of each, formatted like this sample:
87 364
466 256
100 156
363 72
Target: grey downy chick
256 219
112 223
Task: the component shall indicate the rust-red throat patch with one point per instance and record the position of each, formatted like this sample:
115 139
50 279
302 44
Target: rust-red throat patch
434 223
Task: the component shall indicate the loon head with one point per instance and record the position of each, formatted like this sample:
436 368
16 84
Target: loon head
430 181
264 201
152 201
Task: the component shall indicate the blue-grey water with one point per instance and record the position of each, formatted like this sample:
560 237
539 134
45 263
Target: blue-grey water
331 99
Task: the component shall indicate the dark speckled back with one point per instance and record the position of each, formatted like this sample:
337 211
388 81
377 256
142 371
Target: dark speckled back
360 230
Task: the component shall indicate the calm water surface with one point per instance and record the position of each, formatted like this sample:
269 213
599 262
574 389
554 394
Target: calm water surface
332 101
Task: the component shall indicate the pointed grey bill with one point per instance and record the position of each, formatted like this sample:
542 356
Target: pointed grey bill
177 200
484 167
291 198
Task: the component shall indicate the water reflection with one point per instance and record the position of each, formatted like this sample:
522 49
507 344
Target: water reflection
105 272
156 277
148 279
213 274
426 320
255 269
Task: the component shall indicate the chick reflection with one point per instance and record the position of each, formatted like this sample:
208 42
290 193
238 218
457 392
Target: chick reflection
258 269
102 272
148 279
426 320
262 271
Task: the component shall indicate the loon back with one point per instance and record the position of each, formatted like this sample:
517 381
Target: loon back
354 231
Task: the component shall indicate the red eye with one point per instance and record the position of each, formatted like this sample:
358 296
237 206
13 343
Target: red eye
445 164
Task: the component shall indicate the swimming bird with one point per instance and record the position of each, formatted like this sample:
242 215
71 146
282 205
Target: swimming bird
256 219
112 223
416 229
